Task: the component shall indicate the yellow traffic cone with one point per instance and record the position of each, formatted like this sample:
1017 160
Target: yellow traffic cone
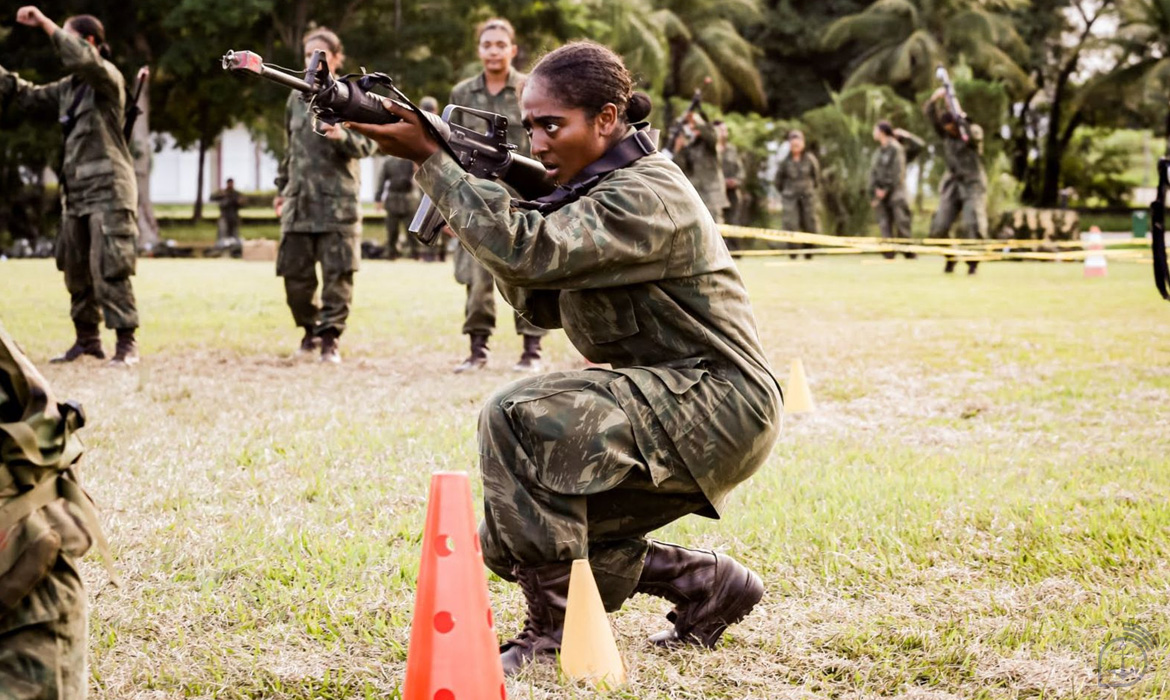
797 398
588 650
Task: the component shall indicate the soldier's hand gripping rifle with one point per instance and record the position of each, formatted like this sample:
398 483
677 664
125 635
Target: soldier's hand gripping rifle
953 104
696 105
1158 230
485 154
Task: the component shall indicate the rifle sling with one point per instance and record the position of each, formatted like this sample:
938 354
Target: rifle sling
625 153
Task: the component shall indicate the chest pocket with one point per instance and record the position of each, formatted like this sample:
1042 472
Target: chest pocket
601 315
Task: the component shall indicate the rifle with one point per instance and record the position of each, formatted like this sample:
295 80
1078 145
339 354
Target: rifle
485 154
696 105
953 104
132 110
1158 230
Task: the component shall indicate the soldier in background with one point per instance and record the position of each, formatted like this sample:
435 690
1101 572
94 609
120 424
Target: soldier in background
963 190
887 185
97 248
230 202
47 523
798 180
497 89
698 155
439 250
398 197
732 176
320 216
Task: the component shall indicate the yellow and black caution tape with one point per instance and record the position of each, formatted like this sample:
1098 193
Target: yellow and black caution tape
968 249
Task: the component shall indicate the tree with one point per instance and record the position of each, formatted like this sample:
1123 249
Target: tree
900 42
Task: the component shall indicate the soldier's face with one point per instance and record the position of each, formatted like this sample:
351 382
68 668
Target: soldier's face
564 138
496 50
796 143
333 60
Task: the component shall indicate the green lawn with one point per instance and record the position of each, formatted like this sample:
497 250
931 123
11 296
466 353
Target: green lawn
978 504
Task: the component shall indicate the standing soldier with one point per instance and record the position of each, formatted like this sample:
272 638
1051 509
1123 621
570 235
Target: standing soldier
887 185
97 246
497 90
47 523
320 216
230 202
963 191
700 159
732 177
399 198
798 179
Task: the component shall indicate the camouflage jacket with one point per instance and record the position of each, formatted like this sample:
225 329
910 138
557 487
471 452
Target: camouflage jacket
319 178
395 187
473 93
98 168
798 177
230 202
44 514
732 164
638 275
964 159
887 170
701 162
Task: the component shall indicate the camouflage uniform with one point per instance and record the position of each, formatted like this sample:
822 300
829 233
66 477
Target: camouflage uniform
480 311
400 198
701 162
46 523
97 246
733 170
798 182
963 191
888 172
230 202
321 221
586 463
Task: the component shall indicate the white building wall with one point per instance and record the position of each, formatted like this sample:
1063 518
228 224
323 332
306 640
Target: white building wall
236 155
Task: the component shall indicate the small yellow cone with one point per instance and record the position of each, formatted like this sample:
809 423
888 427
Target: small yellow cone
797 398
588 650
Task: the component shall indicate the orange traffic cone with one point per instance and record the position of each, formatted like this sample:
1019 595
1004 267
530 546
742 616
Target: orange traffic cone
588 649
453 651
1095 263
797 397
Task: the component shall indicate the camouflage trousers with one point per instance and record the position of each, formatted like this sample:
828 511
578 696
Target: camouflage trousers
227 227
959 200
800 213
43 641
396 225
564 478
339 255
479 313
893 216
98 254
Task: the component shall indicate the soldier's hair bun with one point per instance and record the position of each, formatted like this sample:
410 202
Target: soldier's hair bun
639 107
588 76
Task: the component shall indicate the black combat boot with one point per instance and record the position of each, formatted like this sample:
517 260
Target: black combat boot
530 359
479 354
709 591
972 266
546 589
126 351
89 342
329 350
309 343
950 266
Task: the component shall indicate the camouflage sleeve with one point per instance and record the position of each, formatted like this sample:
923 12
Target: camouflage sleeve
933 109
619 234
282 169
899 174
542 307
732 164
81 58
38 100
355 145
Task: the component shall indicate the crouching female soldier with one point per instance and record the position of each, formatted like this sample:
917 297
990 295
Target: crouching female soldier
630 263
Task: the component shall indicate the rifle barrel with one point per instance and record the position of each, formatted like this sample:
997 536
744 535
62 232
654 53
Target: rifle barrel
252 62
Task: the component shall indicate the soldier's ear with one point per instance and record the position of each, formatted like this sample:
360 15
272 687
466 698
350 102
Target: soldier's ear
607 119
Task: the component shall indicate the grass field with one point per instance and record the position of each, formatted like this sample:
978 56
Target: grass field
978 504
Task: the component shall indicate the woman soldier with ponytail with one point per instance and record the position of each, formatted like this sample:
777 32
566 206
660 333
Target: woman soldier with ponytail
624 257
97 245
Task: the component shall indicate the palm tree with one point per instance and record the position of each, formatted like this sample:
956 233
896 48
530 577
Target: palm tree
906 39
1143 76
704 42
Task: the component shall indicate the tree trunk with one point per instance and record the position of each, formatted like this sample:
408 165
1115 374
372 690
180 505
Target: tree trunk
197 212
140 140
